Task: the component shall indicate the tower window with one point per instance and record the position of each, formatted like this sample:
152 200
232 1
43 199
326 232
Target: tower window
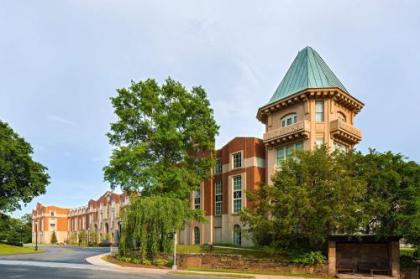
237 194
319 141
341 116
287 151
289 120
237 160
218 198
319 111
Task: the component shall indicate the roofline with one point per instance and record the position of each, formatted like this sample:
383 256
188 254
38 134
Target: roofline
237 138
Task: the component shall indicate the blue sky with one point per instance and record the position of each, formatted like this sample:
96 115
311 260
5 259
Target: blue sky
60 61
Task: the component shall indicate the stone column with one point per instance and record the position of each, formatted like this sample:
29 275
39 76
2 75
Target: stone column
332 258
394 258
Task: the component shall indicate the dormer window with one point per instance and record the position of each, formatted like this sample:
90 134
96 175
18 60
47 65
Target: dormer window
289 120
341 116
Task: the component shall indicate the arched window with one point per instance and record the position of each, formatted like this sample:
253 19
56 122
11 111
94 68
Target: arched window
289 119
237 235
341 116
197 236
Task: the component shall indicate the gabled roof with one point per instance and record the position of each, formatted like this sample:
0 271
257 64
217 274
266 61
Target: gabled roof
308 70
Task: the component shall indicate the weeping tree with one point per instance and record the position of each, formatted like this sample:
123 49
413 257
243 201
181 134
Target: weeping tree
148 224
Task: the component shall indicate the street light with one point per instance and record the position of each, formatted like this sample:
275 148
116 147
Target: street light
36 236
172 235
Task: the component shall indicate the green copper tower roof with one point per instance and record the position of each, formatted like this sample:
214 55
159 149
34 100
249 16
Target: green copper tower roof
308 70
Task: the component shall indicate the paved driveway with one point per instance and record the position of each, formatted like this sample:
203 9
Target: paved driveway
36 272
60 254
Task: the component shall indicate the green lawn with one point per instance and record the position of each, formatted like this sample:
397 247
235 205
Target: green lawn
262 272
10 250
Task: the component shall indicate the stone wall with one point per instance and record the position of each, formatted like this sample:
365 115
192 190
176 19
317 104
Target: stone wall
410 273
238 262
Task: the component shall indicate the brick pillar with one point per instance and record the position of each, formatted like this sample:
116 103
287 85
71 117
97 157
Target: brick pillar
332 258
394 258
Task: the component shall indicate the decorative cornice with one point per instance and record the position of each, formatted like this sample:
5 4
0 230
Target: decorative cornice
336 93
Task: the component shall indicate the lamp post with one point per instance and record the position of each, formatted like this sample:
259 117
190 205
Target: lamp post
36 236
174 267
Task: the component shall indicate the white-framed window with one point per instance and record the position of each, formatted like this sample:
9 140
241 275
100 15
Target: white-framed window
319 111
52 213
219 166
289 119
197 239
237 194
218 198
286 151
237 160
197 199
341 116
237 235
339 146
319 141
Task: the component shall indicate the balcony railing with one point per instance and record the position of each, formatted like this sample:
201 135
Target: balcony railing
345 131
283 134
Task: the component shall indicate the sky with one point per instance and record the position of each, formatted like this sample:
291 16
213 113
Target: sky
61 61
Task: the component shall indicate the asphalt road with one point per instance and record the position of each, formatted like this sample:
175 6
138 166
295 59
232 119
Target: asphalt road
60 254
35 272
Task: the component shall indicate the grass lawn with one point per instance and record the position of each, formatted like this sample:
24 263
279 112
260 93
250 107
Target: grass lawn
244 251
263 272
10 250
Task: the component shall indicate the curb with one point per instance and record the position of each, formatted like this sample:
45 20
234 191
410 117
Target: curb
98 261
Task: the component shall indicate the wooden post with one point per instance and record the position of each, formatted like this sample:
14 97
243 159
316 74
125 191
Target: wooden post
332 258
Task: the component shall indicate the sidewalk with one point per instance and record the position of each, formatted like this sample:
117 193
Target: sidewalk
98 261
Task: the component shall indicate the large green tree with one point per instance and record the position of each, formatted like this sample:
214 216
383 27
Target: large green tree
391 205
163 137
316 193
21 178
312 195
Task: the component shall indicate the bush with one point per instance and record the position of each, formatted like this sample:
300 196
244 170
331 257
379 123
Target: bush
146 262
309 258
54 238
408 261
161 262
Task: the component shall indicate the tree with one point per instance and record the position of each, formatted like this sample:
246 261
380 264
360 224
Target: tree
317 193
16 230
93 238
148 223
313 194
392 201
53 238
21 178
164 136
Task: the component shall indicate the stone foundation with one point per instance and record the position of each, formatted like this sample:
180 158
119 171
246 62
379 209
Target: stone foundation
238 262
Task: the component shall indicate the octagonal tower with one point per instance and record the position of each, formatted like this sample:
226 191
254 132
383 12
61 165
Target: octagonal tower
310 107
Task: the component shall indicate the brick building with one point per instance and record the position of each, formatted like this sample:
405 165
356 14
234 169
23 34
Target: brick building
101 215
310 107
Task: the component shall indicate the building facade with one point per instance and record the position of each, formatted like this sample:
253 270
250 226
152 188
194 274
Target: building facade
101 216
310 107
